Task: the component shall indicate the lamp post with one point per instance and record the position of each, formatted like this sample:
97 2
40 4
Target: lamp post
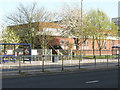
81 10
118 30
82 21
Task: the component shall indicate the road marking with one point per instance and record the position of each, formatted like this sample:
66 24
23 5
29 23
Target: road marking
95 81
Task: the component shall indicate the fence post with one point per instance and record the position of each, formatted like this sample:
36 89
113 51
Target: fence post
95 60
62 63
20 58
43 58
39 59
0 59
80 58
107 60
118 59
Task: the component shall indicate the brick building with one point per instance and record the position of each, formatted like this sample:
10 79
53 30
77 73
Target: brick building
62 42
117 22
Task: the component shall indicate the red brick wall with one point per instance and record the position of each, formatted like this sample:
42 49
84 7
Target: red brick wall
88 51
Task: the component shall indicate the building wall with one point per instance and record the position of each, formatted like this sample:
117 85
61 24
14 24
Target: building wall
117 22
62 41
87 49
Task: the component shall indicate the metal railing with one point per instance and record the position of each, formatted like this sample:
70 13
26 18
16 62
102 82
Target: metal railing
57 62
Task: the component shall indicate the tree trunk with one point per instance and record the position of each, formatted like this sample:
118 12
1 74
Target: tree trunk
100 51
93 47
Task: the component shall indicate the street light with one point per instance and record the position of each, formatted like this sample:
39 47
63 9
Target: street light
118 30
81 10
82 47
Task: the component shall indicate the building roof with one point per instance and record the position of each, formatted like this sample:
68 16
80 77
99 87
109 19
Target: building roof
38 25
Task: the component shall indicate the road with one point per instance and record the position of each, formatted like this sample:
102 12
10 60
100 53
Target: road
88 79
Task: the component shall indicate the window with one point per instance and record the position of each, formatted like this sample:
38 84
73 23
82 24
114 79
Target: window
113 43
105 45
75 40
85 43
67 42
62 42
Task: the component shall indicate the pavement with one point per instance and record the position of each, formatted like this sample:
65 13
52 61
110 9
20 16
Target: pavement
36 73
65 62
33 70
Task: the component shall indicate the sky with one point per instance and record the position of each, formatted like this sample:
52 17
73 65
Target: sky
110 7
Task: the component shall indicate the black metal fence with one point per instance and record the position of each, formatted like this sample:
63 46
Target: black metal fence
56 62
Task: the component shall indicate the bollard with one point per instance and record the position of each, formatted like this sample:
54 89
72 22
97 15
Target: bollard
62 64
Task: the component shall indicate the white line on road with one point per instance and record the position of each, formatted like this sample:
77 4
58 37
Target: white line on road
95 81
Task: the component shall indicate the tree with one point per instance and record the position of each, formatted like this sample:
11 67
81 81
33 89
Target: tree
27 16
71 21
92 27
9 36
99 26
46 40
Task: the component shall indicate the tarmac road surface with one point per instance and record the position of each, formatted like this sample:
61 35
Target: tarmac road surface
88 79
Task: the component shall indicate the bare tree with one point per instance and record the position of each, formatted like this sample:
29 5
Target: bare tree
25 21
28 14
